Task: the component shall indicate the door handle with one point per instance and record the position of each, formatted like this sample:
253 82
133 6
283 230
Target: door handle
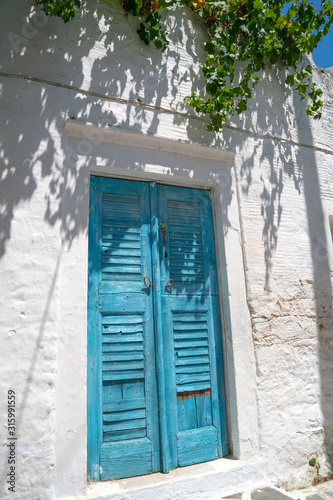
169 284
149 282
163 230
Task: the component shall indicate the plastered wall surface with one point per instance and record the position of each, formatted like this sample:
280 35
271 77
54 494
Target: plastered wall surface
272 231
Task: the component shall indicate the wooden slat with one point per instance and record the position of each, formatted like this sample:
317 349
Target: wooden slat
135 459
125 329
121 268
175 246
190 413
190 394
194 386
175 215
130 347
185 206
124 404
111 324
120 210
128 319
122 357
122 245
116 213
203 407
193 326
123 436
122 339
195 369
190 334
139 423
134 446
180 238
116 227
179 344
187 418
186 281
187 270
192 378
118 260
180 318
119 250
182 227
187 275
111 390
181 415
124 415
130 364
123 375
192 351
116 278
114 209
120 198
121 205
192 360
121 236
184 258
197 445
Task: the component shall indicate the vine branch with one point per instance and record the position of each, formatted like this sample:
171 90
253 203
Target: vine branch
254 32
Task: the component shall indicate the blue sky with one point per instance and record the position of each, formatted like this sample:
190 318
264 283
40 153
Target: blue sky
323 54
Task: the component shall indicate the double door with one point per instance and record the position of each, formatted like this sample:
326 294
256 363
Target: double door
155 377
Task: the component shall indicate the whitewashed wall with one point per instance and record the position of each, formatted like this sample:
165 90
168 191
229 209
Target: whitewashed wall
273 206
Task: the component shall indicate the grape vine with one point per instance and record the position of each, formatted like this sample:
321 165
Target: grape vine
251 32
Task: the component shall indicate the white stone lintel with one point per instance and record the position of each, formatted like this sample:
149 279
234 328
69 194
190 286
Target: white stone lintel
88 131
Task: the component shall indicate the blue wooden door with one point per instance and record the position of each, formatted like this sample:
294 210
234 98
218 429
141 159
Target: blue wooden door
123 437
155 377
195 399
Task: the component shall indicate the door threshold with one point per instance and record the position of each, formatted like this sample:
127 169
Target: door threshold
200 481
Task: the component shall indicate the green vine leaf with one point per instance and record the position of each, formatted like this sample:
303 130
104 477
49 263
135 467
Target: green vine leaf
65 9
258 5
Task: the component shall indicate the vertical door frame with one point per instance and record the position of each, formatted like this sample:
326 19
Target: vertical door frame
94 410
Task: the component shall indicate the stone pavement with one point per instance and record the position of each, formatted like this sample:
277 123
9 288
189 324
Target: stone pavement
323 491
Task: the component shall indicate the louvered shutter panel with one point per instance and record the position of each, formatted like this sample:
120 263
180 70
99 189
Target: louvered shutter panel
122 387
192 333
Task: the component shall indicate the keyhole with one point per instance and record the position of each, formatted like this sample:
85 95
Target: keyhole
166 255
